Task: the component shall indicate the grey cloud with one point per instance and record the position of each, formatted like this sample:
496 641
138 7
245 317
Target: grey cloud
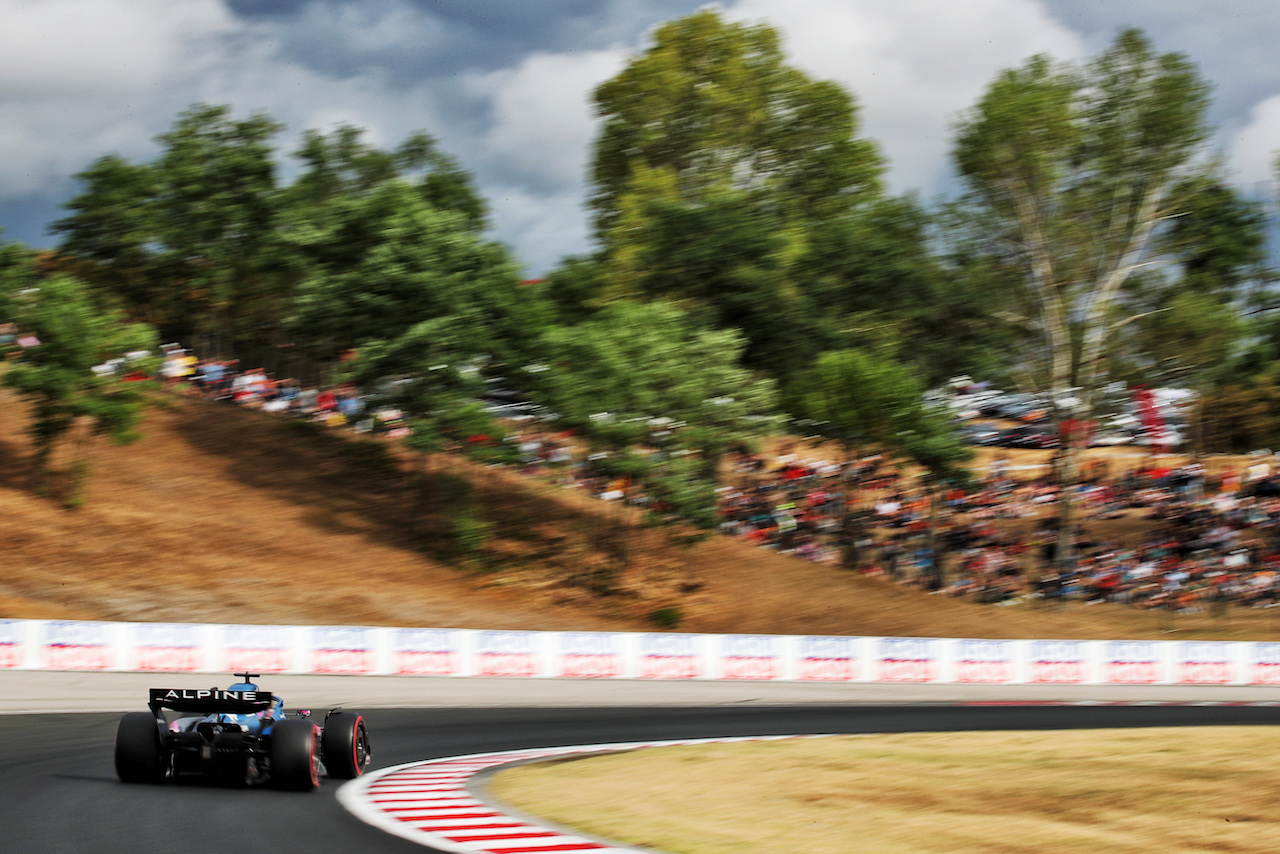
443 36
491 78
1232 43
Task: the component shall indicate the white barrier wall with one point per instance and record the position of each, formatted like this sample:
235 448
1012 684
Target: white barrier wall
207 648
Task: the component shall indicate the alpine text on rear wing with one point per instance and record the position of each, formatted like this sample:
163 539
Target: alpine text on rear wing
209 700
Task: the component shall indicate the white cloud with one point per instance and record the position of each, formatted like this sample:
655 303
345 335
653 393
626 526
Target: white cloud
83 78
543 124
80 78
543 227
77 48
374 28
1252 150
912 65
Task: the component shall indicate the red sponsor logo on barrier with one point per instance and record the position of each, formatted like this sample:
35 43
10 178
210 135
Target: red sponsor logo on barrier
750 668
79 657
892 670
1264 673
257 660
668 667
1058 672
1205 672
175 659
828 669
507 664
984 672
590 666
428 663
10 655
1133 672
343 661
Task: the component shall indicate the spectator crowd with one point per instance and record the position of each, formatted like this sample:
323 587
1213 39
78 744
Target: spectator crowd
1192 540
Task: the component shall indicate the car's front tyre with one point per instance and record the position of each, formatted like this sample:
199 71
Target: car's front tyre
346 745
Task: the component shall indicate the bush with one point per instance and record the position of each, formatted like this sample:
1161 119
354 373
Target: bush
666 617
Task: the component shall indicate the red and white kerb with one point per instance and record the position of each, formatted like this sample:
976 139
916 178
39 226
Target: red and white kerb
433 803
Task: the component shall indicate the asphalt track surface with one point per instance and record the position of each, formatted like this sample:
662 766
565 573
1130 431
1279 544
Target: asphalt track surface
59 792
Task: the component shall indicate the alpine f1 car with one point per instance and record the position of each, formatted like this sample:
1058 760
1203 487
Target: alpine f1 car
239 735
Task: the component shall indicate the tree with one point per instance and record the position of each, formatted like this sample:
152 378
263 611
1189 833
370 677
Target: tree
636 368
17 272
423 301
56 377
112 231
1218 239
341 164
1189 327
715 164
1076 170
215 208
202 242
383 263
576 288
721 259
187 242
870 401
712 105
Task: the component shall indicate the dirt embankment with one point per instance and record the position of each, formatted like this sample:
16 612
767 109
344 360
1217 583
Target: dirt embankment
224 515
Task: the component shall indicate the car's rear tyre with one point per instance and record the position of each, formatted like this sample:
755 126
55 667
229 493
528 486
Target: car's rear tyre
139 755
346 745
295 757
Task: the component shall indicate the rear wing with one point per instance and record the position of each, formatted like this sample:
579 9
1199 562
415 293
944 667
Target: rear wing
209 701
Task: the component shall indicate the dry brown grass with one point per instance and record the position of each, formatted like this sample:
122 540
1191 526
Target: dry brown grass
223 515
1119 791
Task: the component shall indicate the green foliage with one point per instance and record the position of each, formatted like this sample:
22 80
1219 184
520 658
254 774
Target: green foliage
635 369
867 400
424 437
204 244
1071 171
467 526
611 376
56 377
423 301
387 262
576 288
723 259
17 272
470 532
667 617
479 434
341 164
713 105
679 490
215 207
1074 171
112 232
1190 340
716 164
1241 416
1219 240
187 242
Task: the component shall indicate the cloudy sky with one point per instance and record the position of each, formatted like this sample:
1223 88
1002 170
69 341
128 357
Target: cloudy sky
505 84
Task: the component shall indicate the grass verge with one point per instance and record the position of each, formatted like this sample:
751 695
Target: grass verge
1120 791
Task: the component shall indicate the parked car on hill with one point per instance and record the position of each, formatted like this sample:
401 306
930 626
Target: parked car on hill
1027 436
979 433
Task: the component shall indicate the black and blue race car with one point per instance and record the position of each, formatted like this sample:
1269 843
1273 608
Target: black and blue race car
239 735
